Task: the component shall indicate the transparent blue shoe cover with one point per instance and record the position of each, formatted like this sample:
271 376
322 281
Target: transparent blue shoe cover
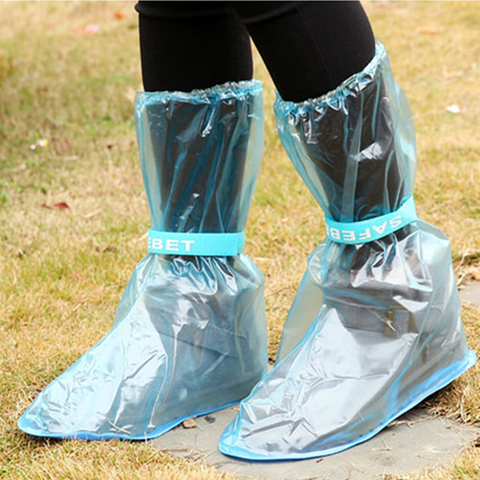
189 335
375 327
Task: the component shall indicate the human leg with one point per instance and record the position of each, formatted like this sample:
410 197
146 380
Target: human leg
191 45
376 324
189 334
309 48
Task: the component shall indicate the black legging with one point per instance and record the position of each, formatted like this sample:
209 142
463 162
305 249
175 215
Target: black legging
309 48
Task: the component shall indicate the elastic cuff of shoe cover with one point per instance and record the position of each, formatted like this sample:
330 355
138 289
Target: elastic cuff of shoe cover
225 91
374 228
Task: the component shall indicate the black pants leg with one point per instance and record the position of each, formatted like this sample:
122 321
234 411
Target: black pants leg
189 45
309 48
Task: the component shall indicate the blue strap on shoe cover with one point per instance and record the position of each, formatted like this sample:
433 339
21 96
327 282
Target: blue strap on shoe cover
372 229
196 244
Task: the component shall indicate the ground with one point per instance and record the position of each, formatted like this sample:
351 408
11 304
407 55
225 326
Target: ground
63 270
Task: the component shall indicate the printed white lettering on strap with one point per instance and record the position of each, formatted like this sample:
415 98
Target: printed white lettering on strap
196 244
373 228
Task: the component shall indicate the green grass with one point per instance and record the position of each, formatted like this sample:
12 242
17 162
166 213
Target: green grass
62 272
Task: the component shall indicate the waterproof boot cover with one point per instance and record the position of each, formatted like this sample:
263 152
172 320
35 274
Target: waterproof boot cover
375 327
189 335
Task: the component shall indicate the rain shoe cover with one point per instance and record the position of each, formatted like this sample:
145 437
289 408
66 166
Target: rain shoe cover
189 335
375 327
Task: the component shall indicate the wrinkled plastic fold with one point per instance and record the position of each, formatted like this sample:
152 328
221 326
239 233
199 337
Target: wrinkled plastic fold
189 335
375 327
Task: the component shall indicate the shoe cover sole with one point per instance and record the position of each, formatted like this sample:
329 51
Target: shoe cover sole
440 380
111 436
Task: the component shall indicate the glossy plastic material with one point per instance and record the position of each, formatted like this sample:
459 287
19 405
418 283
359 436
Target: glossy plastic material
189 335
375 327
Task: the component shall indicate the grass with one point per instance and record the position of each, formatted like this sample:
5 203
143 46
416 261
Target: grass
62 272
